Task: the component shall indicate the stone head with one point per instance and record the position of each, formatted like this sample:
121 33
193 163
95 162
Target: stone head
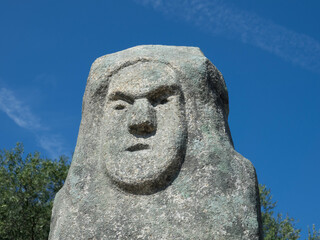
143 131
147 109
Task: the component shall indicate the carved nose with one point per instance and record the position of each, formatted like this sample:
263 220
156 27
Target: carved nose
142 120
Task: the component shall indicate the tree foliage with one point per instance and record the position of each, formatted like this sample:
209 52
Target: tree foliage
313 234
279 227
27 188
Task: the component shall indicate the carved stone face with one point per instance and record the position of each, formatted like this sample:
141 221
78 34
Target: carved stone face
143 130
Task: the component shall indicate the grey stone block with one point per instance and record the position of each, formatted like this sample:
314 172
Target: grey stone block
154 157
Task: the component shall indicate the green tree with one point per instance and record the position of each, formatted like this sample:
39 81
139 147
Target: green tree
279 227
27 189
313 234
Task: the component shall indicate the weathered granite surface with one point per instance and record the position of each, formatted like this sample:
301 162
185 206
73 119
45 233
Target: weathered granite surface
154 157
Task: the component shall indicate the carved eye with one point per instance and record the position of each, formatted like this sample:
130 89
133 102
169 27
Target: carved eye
159 101
119 107
163 101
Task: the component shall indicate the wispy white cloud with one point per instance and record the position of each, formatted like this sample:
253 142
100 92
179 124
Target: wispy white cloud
21 114
53 144
18 111
218 18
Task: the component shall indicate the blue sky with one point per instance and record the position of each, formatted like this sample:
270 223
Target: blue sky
267 50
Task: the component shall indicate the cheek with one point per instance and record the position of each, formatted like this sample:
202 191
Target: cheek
170 116
113 134
115 122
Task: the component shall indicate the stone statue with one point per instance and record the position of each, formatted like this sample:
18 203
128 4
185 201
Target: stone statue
154 157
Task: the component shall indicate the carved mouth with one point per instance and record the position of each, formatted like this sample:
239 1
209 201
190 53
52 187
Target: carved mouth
138 147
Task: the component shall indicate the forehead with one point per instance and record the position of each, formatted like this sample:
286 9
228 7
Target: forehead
141 78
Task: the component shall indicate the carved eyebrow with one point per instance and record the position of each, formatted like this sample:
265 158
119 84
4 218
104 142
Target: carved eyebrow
163 90
121 96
